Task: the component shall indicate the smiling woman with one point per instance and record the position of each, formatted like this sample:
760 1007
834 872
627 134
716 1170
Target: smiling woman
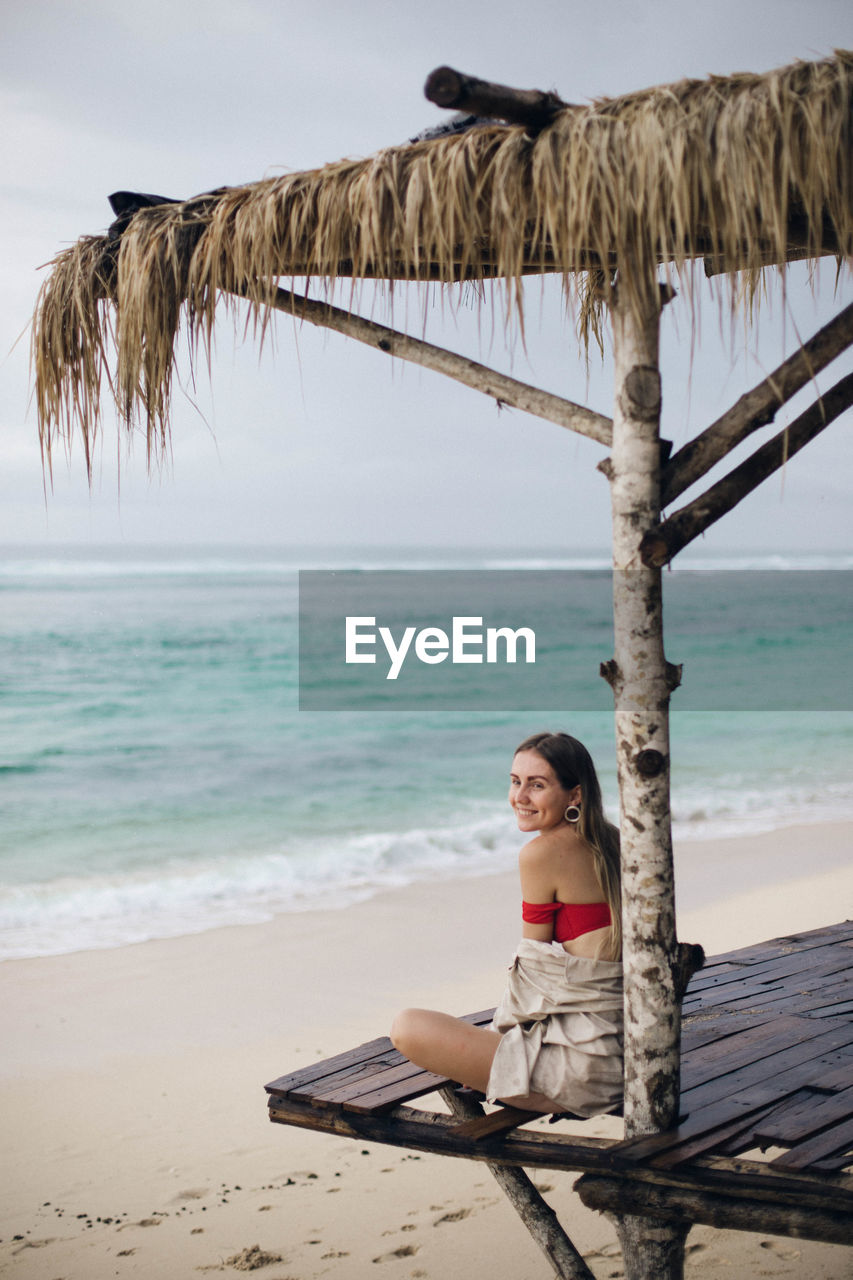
555 1043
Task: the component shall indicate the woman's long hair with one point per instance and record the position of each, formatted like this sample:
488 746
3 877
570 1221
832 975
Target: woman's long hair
573 766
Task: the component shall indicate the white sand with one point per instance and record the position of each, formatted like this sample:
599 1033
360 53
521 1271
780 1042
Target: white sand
134 1129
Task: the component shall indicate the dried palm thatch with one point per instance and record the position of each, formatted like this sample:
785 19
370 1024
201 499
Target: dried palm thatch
745 171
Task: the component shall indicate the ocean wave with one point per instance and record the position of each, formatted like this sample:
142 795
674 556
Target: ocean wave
87 913
76 564
75 913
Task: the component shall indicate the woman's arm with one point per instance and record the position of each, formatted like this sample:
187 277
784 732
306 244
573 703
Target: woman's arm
537 885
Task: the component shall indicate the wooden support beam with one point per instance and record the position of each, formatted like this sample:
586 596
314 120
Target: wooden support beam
454 90
505 390
536 1214
641 680
488 1126
664 541
417 1130
756 408
714 1209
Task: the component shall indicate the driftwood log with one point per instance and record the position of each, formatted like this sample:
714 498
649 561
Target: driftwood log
530 107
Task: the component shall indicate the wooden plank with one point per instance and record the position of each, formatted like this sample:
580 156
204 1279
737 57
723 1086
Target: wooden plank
774 1130
315 1070
841 932
757 1047
725 1098
397 1074
810 1117
761 958
359 1081
387 1090
362 1072
835 1141
783 974
760 983
375 1054
795 998
721 1107
794 1066
710 1140
844 1009
500 1121
832 1164
701 1029
773 948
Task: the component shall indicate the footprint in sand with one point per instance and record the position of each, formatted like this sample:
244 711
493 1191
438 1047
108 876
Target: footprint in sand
456 1216
785 1255
33 1244
405 1251
194 1193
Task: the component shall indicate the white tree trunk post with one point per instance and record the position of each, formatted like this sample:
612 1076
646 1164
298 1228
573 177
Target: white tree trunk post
642 681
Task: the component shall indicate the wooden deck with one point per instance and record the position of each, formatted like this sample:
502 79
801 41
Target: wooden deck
767 1062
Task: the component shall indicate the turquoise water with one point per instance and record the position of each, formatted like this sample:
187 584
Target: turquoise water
157 778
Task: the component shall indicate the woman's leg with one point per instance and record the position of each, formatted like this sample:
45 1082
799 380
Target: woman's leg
446 1045
449 1047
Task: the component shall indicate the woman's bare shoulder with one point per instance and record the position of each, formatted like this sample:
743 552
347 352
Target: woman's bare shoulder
554 853
542 851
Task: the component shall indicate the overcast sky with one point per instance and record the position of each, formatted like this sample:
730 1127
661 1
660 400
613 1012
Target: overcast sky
320 440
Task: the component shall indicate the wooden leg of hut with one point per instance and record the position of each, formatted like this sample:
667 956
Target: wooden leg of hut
651 1248
538 1216
642 680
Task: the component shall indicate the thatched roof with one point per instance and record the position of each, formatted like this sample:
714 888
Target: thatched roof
742 171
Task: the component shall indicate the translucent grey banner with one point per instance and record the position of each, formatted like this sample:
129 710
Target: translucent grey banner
483 640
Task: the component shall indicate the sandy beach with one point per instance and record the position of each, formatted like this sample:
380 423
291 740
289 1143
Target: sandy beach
134 1127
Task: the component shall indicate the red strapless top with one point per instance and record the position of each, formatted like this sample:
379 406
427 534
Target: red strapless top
570 919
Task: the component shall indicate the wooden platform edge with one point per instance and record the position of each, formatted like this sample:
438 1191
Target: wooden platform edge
433 1132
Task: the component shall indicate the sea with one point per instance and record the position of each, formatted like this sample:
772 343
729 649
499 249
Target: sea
158 777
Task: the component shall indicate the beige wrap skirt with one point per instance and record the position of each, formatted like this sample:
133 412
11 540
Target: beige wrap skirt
560 1021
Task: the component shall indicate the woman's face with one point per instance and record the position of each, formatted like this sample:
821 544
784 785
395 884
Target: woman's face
536 795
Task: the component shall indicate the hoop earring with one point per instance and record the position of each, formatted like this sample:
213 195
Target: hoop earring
572 814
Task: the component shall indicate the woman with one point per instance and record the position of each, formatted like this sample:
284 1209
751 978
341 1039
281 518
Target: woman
555 1043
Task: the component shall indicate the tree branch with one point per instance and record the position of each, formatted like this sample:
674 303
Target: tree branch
531 107
660 544
757 407
506 390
